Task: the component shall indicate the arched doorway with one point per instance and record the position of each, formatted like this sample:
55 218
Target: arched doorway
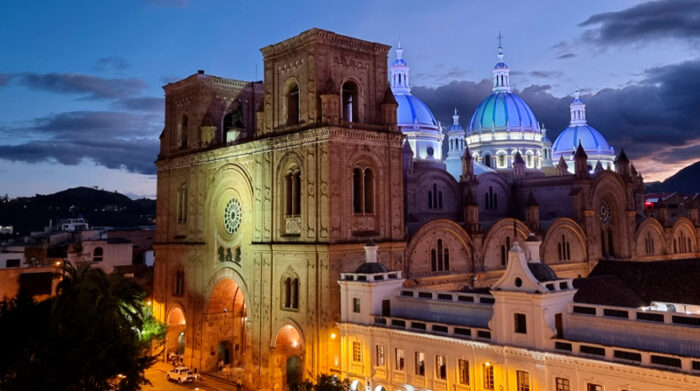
288 356
226 335
175 338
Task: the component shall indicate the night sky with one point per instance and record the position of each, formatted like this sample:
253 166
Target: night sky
82 104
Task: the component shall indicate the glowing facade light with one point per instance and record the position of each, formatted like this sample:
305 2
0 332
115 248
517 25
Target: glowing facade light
333 335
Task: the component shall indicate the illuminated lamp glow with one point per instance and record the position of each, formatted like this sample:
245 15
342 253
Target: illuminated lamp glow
487 363
294 344
333 335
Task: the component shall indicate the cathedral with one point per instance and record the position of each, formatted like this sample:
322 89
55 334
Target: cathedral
269 191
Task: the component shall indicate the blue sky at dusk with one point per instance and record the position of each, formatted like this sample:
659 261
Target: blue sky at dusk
82 104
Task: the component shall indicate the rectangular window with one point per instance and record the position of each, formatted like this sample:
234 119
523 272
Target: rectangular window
463 367
380 356
594 387
420 363
562 384
399 360
356 351
440 367
523 379
488 376
356 305
520 323
12 263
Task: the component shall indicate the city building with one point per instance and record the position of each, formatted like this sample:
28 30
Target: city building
268 192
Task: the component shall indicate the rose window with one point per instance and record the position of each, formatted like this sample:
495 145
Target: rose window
232 216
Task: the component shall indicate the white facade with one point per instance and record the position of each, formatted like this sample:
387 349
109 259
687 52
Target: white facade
525 333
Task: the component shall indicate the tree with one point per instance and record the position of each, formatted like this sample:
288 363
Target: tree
324 383
95 334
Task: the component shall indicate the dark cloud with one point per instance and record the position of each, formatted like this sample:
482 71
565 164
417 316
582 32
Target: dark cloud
110 63
112 139
644 22
142 104
565 56
655 120
91 87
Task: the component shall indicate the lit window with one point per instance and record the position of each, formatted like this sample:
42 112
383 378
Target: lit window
440 367
356 351
523 379
520 323
488 376
562 384
399 360
380 356
463 372
594 387
420 364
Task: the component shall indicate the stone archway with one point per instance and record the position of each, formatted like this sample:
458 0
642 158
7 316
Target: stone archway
288 357
176 337
225 331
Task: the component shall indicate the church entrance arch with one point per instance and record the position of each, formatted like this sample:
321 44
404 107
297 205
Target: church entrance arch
288 356
225 326
175 338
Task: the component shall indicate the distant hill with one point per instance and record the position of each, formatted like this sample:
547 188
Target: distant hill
98 207
686 180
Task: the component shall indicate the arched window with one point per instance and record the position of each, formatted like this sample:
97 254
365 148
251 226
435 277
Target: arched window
564 249
504 251
179 288
182 203
98 254
369 190
184 132
491 199
292 187
363 190
649 243
487 160
434 198
501 161
290 298
293 104
350 102
439 258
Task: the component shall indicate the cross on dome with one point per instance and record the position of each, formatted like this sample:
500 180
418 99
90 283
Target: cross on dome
501 73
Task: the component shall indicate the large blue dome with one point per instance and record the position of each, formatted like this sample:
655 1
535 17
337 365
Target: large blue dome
413 111
503 110
591 140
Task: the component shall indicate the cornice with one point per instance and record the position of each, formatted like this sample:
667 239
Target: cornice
319 36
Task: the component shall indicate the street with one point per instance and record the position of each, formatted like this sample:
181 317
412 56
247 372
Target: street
156 375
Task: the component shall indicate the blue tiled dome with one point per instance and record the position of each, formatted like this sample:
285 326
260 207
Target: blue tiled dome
413 111
591 141
503 109
399 62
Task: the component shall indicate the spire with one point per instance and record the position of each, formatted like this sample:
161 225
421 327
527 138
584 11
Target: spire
563 167
501 74
578 110
399 73
455 118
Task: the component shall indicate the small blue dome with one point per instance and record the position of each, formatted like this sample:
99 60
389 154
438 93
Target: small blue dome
399 62
591 141
503 109
413 111
500 65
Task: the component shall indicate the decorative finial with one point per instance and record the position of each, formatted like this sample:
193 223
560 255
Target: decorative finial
455 118
500 39
455 111
577 94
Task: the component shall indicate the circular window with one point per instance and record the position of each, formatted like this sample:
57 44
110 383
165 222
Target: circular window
430 151
232 216
518 282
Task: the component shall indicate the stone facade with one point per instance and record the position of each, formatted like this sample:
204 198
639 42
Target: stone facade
268 191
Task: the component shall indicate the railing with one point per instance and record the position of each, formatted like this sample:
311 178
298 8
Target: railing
476 298
370 277
628 356
435 328
661 317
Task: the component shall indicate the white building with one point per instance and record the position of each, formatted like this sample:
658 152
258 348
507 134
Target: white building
529 331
